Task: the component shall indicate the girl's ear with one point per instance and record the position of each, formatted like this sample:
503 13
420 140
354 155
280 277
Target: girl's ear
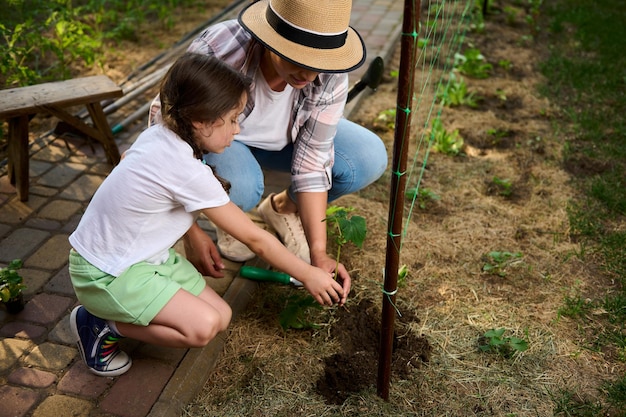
197 125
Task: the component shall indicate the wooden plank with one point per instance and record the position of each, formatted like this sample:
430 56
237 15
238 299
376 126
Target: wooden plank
33 99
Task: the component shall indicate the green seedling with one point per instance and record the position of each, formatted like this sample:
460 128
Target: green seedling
455 93
444 141
575 306
386 118
496 262
477 15
345 227
294 315
505 64
422 196
494 341
403 272
511 14
504 186
472 63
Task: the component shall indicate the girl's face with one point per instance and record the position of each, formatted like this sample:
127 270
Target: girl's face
217 136
289 73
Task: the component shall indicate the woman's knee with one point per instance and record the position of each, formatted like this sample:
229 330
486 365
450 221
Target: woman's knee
362 152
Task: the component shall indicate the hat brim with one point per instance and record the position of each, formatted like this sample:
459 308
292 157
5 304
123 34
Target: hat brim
346 58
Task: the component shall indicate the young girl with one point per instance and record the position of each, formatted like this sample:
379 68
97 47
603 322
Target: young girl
129 280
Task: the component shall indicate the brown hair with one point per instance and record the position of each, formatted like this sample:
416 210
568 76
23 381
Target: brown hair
199 88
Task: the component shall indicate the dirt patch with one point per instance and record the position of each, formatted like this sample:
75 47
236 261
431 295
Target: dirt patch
352 370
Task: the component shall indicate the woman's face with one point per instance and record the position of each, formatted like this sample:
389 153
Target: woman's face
217 136
289 73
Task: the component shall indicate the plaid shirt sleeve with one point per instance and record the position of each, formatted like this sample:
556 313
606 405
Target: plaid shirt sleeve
317 114
227 40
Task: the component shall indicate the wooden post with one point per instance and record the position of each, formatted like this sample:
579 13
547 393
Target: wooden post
408 60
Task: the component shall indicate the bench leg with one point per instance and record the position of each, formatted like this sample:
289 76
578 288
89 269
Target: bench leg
18 155
100 122
100 131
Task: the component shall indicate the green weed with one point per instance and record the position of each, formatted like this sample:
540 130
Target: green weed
403 273
505 64
575 306
511 14
569 403
449 143
455 93
473 64
494 341
11 282
503 186
423 196
496 262
386 119
296 314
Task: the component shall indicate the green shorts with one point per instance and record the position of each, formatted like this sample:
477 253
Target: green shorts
139 293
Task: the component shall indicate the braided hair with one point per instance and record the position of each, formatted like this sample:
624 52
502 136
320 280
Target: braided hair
199 88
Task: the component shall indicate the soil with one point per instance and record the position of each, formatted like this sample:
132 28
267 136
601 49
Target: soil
353 369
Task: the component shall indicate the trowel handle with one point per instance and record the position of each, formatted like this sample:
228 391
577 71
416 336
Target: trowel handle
262 274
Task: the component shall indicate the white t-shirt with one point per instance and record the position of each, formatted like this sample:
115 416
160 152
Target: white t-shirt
268 125
146 204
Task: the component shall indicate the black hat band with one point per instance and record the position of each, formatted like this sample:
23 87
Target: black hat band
301 37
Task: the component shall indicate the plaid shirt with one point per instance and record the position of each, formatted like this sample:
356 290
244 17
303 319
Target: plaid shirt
316 111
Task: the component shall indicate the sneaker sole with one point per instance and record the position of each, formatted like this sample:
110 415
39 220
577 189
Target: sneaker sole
74 328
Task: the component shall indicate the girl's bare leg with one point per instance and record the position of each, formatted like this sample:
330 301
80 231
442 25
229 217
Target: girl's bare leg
186 321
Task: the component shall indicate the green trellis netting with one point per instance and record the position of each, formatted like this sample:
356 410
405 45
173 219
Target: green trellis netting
432 36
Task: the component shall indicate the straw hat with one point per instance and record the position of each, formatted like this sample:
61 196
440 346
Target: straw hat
314 34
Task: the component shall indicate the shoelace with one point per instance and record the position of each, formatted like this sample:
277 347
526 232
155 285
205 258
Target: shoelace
108 348
108 345
294 225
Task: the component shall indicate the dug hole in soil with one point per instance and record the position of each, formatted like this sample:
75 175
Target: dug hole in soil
354 369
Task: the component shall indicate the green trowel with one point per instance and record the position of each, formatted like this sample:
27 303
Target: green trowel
262 274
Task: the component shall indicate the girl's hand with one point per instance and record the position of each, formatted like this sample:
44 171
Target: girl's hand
323 287
342 276
201 251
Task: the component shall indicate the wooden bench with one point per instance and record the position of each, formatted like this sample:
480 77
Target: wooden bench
19 105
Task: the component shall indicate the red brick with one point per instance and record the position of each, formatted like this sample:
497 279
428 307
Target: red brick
33 378
22 330
46 308
134 393
78 380
16 402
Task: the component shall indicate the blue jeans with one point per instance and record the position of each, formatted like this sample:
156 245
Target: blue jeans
360 159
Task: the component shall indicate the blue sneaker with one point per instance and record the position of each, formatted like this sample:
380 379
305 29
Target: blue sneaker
97 344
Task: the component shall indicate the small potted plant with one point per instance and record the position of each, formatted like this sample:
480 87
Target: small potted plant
11 286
